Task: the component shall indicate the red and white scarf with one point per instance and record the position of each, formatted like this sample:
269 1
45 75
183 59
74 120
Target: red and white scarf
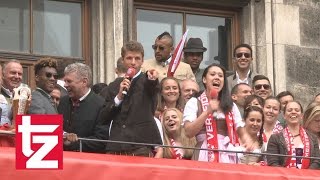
211 130
291 162
277 129
177 153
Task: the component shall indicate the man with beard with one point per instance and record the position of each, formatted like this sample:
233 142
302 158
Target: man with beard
163 49
242 61
46 79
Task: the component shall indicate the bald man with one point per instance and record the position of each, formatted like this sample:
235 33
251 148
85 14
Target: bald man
189 87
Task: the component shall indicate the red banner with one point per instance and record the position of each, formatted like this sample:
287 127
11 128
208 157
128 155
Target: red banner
101 166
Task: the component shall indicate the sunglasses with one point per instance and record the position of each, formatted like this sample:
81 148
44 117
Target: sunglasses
155 47
259 86
246 55
49 75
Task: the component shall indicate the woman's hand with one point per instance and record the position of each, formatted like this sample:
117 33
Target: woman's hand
213 106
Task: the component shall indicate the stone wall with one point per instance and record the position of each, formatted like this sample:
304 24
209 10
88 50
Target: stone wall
303 61
286 37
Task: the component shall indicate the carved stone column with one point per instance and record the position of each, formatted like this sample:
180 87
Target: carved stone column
108 34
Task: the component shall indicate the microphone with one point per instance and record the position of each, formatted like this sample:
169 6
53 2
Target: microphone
129 75
214 95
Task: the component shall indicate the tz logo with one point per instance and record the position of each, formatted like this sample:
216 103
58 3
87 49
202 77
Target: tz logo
39 142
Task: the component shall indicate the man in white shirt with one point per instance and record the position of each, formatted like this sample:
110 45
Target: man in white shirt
242 60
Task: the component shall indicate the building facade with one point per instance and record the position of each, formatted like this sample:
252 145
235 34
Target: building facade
284 34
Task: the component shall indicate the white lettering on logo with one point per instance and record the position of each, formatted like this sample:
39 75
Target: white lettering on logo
48 141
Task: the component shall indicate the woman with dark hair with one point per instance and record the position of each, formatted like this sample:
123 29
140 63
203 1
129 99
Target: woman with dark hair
213 120
252 132
254 100
169 96
271 110
294 140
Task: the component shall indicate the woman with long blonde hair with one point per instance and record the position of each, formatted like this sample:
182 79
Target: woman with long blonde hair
174 135
311 119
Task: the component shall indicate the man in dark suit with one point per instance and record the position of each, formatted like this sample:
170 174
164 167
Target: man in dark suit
80 110
46 79
132 114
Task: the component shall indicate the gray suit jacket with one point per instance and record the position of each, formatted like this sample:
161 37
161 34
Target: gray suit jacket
232 80
41 103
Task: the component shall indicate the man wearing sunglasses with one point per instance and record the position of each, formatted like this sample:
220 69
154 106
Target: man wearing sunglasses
46 80
261 86
242 62
163 48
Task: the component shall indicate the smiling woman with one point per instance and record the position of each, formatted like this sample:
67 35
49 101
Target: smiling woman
170 96
293 140
311 119
174 135
271 110
251 140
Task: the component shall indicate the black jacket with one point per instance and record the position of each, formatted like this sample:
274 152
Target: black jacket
84 121
133 119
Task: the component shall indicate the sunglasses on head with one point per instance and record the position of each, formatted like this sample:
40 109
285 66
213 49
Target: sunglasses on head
49 75
246 55
259 86
155 47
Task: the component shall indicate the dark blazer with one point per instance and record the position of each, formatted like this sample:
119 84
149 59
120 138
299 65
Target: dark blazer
277 145
133 119
84 121
41 103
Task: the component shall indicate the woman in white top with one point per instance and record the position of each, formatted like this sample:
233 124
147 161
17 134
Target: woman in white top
213 120
252 132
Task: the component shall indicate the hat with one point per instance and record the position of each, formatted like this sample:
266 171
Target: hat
194 45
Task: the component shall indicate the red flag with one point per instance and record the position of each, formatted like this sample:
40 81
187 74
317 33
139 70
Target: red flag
176 57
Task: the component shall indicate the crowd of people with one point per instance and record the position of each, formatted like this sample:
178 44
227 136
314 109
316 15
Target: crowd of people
179 111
